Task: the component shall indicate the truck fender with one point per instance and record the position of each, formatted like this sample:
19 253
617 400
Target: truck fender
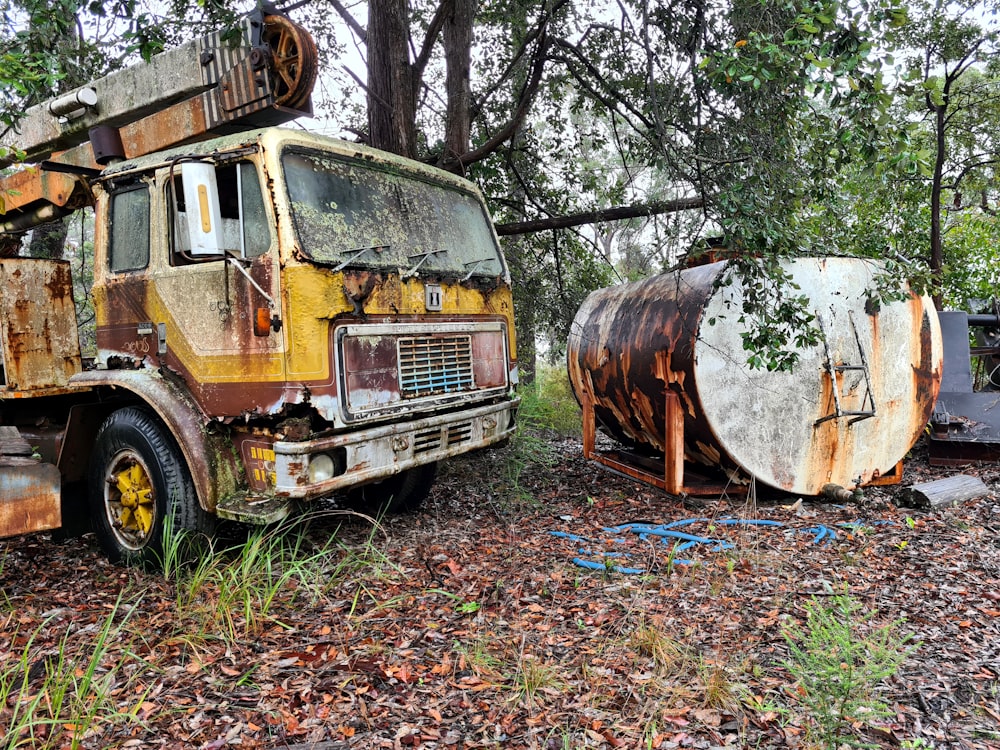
209 453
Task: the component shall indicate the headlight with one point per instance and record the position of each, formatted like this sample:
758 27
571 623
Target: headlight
321 468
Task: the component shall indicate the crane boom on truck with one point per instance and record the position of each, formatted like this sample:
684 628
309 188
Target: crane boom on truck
280 317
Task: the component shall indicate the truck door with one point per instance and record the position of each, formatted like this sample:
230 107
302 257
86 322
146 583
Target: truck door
208 313
219 289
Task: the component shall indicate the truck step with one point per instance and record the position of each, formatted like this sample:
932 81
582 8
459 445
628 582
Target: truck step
252 511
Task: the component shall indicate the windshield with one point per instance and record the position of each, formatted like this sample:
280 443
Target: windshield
349 214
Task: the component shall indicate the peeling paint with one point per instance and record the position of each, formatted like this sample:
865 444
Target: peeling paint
628 344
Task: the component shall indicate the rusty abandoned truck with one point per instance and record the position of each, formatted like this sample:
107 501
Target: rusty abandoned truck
280 317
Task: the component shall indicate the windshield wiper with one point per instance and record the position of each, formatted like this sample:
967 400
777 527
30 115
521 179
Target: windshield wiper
355 254
475 266
423 257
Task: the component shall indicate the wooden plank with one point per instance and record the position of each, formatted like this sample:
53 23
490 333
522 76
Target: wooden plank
943 492
11 442
589 426
673 457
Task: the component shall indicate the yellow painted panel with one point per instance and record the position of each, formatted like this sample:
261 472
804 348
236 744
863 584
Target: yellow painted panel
315 296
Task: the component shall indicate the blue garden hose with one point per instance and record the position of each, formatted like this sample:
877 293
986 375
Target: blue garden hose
667 534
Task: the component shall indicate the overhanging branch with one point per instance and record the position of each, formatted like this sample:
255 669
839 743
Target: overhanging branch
359 31
596 217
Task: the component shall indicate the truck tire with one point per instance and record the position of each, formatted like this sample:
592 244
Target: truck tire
138 479
401 493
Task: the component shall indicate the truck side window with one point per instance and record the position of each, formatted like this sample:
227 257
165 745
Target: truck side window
129 249
256 233
245 230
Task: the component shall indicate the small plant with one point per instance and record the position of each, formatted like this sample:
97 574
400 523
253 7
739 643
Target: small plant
838 660
532 678
669 656
478 657
721 690
467 607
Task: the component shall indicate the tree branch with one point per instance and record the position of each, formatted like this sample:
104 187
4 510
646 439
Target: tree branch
596 75
512 126
957 181
433 32
596 217
359 31
528 40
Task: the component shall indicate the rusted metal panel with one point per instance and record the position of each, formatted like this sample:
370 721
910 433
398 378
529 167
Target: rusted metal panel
396 366
29 496
30 188
198 321
41 348
797 431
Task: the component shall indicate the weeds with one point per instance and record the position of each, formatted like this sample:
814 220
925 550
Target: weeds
721 690
532 678
557 410
61 696
234 591
838 662
64 698
478 657
669 656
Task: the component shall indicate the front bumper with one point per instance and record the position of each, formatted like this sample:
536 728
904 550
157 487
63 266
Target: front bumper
379 452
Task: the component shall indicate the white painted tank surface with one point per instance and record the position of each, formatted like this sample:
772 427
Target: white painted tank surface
851 409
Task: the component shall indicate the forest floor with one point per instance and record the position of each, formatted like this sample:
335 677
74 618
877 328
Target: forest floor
476 623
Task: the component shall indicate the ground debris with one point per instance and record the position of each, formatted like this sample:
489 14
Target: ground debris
469 625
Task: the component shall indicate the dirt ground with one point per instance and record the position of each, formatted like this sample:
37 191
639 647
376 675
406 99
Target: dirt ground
487 622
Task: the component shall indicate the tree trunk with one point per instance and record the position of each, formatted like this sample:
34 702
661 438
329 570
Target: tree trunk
457 40
943 492
392 101
937 249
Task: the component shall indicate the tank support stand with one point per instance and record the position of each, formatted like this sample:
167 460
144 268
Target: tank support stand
670 476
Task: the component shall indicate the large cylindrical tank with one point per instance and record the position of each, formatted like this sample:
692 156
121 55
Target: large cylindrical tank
849 411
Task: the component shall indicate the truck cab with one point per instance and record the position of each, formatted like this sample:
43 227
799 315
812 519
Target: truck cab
344 315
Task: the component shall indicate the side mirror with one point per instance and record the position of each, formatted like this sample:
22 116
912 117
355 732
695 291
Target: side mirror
204 216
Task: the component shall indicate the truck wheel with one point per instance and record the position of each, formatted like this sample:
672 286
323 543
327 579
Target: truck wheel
138 478
401 493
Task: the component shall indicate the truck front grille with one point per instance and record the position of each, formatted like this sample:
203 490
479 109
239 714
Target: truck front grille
436 437
434 364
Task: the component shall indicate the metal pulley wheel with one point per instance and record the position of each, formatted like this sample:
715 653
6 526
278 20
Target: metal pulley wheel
295 61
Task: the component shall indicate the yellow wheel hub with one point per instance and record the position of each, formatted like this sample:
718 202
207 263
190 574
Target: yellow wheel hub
132 492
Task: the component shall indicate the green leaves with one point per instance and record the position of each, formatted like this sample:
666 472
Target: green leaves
839 658
777 319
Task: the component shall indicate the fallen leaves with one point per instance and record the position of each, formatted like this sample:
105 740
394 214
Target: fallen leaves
471 628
